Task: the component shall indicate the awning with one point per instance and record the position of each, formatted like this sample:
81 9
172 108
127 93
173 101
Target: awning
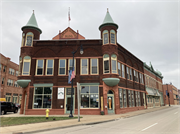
153 92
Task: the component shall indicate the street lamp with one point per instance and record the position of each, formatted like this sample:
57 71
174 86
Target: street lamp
73 52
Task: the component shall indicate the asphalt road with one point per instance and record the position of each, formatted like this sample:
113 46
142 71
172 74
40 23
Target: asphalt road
165 121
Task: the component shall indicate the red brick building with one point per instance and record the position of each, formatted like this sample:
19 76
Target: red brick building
153 84
111 78
173 94
8 74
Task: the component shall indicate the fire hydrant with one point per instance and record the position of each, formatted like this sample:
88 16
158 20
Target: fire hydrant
47 113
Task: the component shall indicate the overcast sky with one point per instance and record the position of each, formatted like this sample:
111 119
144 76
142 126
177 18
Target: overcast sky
149 29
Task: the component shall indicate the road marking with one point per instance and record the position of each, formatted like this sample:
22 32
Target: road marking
149 126
176 113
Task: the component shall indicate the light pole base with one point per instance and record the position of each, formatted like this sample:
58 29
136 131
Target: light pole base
70 116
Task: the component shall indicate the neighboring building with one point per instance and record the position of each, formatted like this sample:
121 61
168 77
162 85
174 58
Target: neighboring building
179 95
173 94
8 76
111 78
153 82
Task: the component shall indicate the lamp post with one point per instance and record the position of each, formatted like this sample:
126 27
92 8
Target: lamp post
168 94
73 52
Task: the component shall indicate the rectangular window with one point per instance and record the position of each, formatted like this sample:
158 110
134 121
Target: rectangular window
26 67
15 97
2 80
139 99
0 66
112 38
15 84
134 75
39 67
94 66
127 70
84 66
130 70
106 38
114 65
123 73
8 97
106 65
29 40
129 97
71 65
136 98
62 67
121 97
132 96
4 69
89 96
137 77
17 72
140 78
42 97
119 68
49 67
124 98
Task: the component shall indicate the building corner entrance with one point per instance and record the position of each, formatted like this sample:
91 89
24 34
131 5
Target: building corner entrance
110 102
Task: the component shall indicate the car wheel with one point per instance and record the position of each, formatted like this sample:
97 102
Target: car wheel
2 112
15 111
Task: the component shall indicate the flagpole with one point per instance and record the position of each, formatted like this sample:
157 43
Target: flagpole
69 17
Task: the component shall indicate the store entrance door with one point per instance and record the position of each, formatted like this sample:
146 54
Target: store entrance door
110 102
68 101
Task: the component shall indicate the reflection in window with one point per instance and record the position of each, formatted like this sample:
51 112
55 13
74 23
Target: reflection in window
105 37
94 66
49 70
124 96
112 37
123 72
106 63
40 64
121 97
89 96
29 39
26 65
62 66
71 65
84 66
119 68
42 97
129 97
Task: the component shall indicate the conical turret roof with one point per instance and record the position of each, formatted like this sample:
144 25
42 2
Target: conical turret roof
32 23
108 21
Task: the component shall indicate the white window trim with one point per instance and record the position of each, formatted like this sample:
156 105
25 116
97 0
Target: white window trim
104 66
107 37
26 60
74 65
37 67
52 67
97 67
59 67
116 65
32 38
87 66
114 37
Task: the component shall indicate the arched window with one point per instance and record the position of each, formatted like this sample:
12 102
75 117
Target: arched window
105 37
114 63
106 63
26 65
29 39
113 37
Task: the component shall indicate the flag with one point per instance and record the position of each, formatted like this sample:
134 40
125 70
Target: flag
69 77
69 14
73 74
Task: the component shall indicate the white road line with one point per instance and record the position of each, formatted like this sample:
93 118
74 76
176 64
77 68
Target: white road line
149 126
176 113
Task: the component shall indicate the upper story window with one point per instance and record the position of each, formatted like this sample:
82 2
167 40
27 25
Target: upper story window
114 63
130 72
119 68
71 65
113 37
123 71
94 66
26 65
127 70
62 67
39 67
15 84
106 63
49 67
4 69
141 78
0 66
10 82
20 65
29 39
105 37
84 66
3 80
11 71
137 77
17 72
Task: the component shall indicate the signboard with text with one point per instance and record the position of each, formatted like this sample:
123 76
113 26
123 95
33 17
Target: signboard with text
60 93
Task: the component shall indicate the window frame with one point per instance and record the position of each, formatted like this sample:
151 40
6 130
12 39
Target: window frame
113 32
52 67
124 98
115 59
71 66
94 66
121 96
105 32
87 67
127 73
129 98
104 59
29 34
26 60
37 67
60 67
123 70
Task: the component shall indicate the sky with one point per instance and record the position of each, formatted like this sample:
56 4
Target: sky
149 29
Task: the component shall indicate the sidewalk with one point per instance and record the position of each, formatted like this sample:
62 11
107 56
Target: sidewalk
86 120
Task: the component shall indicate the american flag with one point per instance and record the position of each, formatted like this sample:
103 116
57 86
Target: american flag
73 74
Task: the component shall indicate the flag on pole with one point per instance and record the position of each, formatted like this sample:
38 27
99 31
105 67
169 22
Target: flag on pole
69 77
69 14
73 74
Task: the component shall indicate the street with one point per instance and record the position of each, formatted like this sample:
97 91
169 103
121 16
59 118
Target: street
165 121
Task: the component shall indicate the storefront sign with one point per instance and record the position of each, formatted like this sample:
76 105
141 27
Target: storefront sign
60 93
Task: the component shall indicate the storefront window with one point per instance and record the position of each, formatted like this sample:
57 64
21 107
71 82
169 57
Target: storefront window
139 99
129 97
89 96
132 96
42 97
125 100
136 98
121 97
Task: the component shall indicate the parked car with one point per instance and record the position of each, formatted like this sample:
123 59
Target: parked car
8 107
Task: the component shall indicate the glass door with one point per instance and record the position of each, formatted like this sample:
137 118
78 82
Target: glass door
68 100
110 104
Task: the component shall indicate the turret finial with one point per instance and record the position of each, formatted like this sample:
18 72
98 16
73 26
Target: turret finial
33 11
107 10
